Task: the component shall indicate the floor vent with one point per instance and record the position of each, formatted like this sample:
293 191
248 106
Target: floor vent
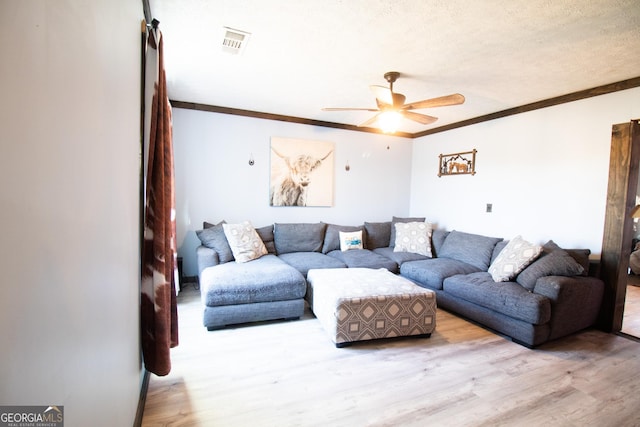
234 41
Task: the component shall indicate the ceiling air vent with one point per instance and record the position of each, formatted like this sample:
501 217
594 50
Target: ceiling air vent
234 41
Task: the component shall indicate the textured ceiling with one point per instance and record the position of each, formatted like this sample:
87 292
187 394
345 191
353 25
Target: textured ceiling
307 54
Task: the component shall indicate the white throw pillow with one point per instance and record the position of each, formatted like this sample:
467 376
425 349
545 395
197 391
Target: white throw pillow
513 258
244 241
350 240
413 237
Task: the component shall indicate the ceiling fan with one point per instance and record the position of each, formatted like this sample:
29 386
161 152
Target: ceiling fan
392 107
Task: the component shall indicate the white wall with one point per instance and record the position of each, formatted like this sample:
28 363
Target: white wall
69 173
545 172
214 181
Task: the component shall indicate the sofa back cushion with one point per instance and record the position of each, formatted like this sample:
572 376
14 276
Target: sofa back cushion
473 249
332 236
437 239
298 237
266 234
378 234
582 257
498 248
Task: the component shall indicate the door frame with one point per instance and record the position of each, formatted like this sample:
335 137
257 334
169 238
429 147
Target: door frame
616 241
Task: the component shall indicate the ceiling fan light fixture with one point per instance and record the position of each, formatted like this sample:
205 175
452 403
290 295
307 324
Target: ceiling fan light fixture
392 107
389 121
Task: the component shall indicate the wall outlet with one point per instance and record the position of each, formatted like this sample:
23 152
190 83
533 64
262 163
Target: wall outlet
489 207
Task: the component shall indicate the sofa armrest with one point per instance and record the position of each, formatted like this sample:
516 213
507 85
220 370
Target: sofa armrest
575 302
206 257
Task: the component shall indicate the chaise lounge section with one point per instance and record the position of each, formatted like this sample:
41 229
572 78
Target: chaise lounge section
265 289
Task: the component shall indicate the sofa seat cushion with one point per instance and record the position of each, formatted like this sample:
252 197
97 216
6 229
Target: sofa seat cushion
264 279
399 257
431 272
364 258
508 298
304 261
473 249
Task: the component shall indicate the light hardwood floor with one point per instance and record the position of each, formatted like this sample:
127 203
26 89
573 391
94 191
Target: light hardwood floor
631 318
290 374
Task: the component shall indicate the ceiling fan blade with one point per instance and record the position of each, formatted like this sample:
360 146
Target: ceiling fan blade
382 93
420 118
370 121
442 101
349 109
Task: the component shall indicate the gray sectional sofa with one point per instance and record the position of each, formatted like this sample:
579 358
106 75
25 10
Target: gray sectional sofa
552 297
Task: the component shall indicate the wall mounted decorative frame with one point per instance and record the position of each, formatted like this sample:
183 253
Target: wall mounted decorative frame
301 172
463 163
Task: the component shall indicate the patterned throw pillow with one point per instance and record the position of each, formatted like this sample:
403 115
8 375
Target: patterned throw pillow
394 221
514 258
413 237
350 240
244 241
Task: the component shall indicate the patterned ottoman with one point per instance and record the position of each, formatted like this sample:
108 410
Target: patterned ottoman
357 304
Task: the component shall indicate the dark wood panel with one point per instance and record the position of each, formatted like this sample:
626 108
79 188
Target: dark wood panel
617 236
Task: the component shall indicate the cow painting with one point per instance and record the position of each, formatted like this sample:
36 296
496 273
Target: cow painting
290 185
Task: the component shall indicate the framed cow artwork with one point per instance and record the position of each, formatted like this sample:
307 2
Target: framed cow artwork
458 163
301 172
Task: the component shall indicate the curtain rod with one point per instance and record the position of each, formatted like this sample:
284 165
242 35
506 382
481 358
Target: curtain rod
146 27
148 16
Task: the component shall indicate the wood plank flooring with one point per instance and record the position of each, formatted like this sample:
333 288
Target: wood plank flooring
631 318
290 374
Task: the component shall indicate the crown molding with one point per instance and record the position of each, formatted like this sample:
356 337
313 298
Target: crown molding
571 97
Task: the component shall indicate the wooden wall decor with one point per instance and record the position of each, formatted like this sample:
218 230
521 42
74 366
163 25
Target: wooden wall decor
458 163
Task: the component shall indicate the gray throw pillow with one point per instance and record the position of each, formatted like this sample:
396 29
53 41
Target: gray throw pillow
473 249
582 257
553 261
298 237
332 236
378 234
214 238
392 236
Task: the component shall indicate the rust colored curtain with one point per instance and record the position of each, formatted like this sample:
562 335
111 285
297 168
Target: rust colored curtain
158 311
